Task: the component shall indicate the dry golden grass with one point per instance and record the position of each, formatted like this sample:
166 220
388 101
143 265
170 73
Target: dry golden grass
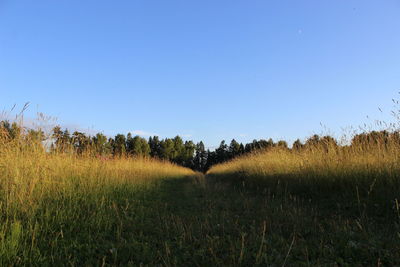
39 191
318 162
340 200
321 205
28 172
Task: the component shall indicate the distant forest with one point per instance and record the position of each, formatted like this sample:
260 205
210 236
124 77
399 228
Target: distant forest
184 153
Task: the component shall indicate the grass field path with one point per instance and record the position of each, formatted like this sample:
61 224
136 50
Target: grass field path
203 222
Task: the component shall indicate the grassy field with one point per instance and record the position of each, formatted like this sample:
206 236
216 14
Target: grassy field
332 207
329 205
59 209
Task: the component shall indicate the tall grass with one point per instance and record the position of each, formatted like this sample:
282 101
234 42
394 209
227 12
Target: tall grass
340 203
324 169
54 205
321 204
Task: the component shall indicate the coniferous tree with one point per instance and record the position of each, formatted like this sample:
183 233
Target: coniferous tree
234 149
101 144
179 150
62 140
188 153
241 149
167 149
139 146
57 136
119 145
222 153
200 158
155 147
80 142
129 144
211 159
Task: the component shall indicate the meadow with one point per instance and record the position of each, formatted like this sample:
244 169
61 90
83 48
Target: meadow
313 206
335 205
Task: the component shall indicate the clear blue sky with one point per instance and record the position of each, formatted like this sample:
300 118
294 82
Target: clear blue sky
210 70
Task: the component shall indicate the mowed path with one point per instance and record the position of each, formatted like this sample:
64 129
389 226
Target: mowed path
202 221
192 221
188 221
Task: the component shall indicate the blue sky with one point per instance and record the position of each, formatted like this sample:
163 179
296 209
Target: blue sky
206 70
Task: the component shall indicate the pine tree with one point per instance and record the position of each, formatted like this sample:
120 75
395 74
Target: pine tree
100 144
234 149
200 158
155 147
119 145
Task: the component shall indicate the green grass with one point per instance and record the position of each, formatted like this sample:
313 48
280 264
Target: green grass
276 208
330 208
189 221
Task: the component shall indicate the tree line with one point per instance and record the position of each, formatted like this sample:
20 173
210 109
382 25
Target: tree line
184 153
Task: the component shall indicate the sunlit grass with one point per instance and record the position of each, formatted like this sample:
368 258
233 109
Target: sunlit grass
367 166
341 202
51 204
317 205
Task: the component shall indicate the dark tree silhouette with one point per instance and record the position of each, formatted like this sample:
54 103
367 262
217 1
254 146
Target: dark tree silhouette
119 145
186 153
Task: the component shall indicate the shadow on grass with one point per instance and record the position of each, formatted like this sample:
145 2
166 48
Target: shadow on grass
351 195
118 225
202 222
